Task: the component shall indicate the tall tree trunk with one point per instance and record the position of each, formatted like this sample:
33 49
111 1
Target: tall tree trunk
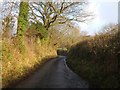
22 25
22 19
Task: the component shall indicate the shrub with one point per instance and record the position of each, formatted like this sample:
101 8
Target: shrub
37 30
97 59
15 64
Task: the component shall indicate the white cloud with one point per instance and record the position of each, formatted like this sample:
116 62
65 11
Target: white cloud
105 13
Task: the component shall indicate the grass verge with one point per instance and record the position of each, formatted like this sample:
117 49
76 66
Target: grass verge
16 65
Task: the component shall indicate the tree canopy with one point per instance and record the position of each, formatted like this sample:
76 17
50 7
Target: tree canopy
49 12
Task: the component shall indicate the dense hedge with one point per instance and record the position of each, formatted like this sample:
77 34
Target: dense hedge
96 59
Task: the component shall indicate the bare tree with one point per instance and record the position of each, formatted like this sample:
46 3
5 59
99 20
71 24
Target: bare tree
9 11
49 12
63 35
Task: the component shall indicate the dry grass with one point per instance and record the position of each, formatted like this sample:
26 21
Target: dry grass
96 59
15 65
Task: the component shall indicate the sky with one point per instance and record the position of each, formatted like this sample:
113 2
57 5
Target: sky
106 12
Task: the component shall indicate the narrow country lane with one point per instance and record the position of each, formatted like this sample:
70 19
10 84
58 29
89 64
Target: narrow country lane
54 74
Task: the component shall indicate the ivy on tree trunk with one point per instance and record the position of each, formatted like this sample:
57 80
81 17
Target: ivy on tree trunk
22 25
22 19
